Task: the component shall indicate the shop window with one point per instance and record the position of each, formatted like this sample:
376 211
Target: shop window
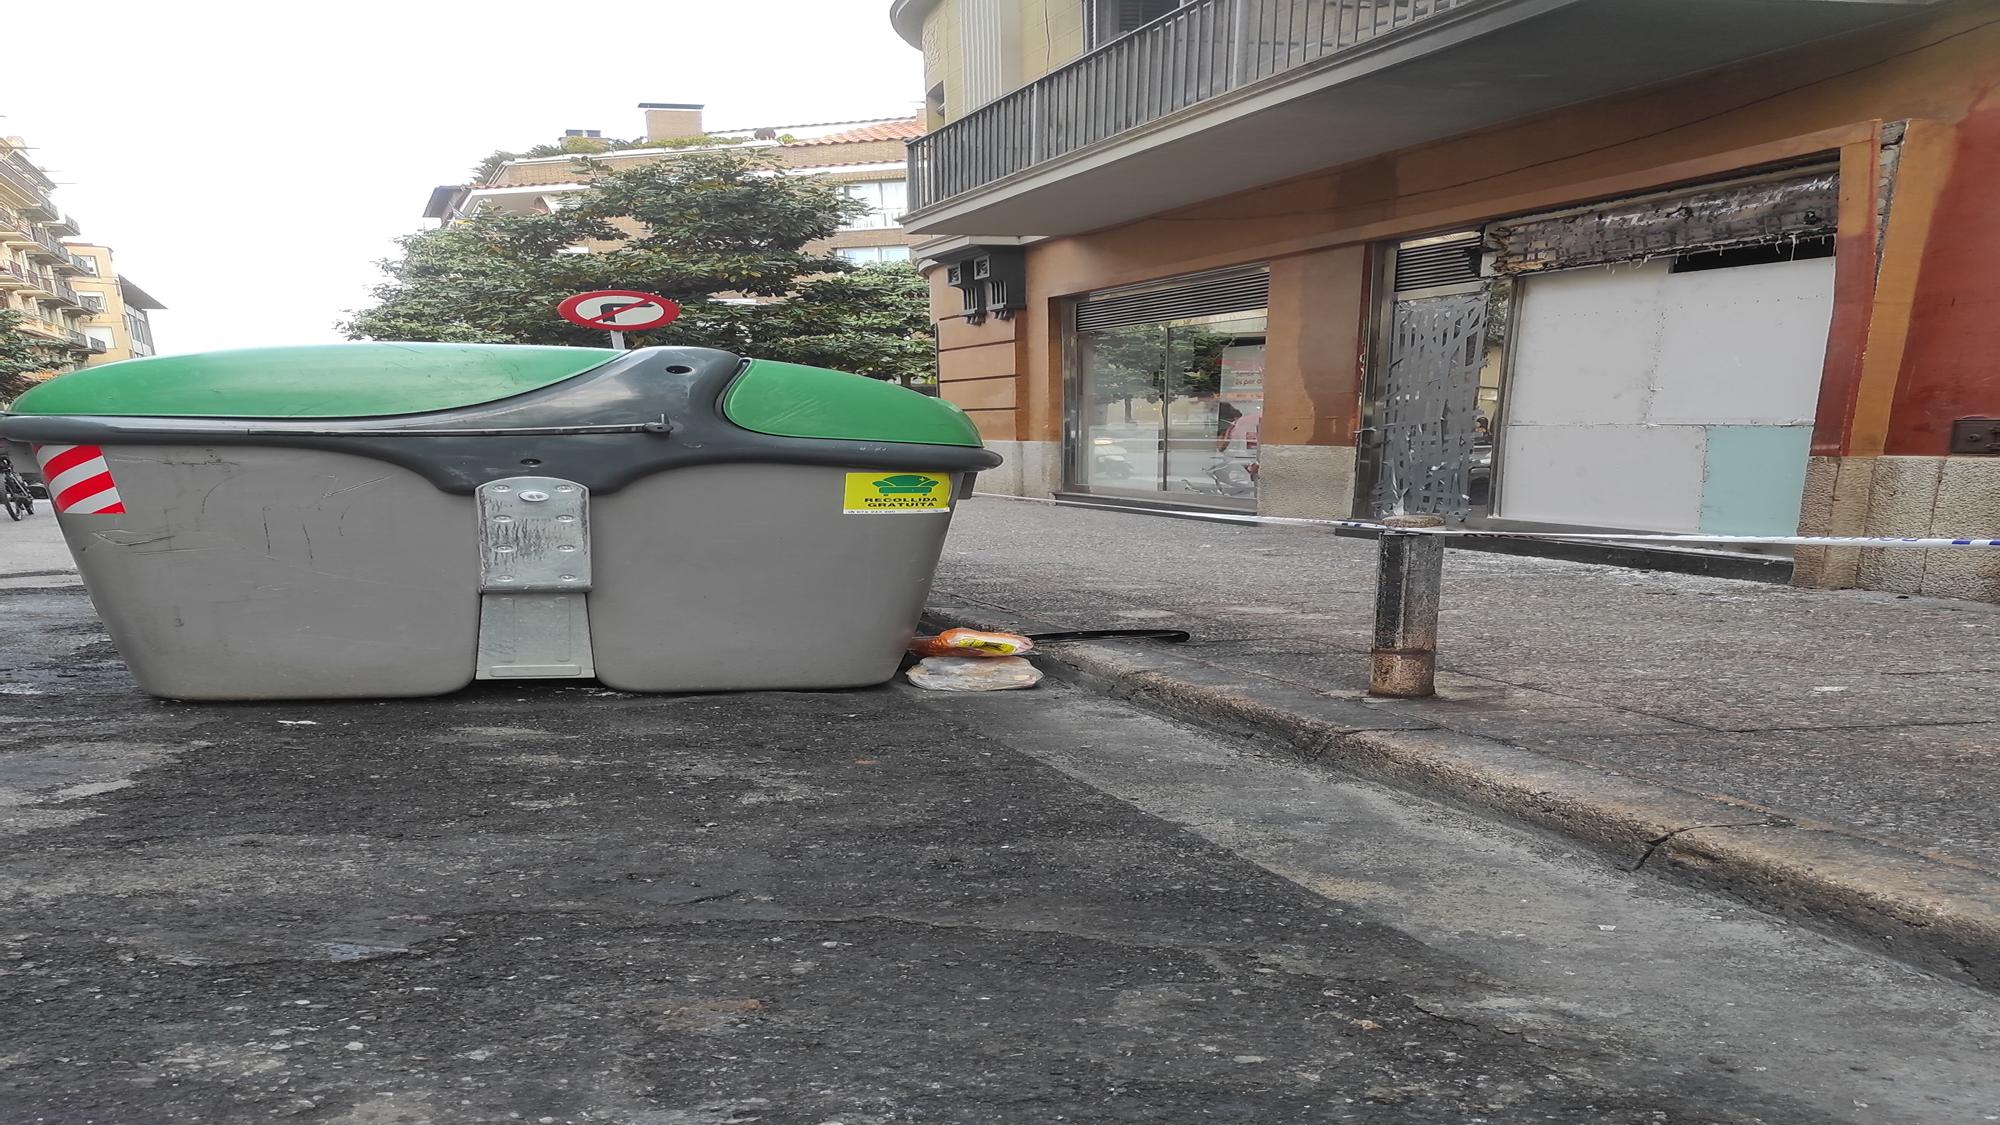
1168 393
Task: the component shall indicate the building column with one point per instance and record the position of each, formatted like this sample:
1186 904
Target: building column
1932 330
1314 351
979 371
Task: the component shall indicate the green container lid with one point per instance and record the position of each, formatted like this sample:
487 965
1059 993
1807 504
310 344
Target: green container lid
791 400
366 380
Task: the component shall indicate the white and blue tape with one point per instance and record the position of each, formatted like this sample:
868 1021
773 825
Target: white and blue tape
1877 541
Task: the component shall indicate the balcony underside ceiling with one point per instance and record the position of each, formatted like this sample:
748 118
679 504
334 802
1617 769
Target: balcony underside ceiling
1493 65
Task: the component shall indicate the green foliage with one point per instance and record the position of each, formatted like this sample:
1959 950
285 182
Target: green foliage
22 355
696 228
1137 361
588 146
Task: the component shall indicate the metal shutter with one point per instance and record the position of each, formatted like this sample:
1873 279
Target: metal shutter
1236 292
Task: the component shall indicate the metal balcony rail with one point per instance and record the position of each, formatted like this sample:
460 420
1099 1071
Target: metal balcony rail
49 242
20 181
1199 51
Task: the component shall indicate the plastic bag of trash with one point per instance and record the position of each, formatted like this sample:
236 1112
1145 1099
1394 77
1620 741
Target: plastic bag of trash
972 642
951 673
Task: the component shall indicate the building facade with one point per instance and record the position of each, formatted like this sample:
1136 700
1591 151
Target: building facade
1637 265
37 273
117 322
865 158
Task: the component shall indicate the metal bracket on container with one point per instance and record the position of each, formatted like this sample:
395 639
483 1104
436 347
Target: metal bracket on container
534 570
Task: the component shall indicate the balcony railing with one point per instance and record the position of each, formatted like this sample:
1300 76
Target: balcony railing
1200 51
14 221
62 332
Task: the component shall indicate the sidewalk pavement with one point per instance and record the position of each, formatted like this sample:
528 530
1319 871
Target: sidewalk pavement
1832 756
34 552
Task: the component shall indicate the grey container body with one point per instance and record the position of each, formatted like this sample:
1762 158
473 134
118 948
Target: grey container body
248 573
751 576
259 559
242 573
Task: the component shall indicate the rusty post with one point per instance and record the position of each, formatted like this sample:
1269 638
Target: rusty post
1409 575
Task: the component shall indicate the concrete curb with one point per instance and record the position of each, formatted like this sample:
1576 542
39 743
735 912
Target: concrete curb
1934 912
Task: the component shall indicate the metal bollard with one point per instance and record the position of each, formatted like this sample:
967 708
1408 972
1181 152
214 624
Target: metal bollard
1403 663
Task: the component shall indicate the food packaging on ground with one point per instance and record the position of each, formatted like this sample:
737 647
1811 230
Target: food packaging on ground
952 673
972 642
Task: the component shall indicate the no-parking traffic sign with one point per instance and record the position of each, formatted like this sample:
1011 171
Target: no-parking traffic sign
619 311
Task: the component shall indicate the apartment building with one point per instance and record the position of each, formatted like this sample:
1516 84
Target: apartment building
116 323
37 273
865 158
1716 266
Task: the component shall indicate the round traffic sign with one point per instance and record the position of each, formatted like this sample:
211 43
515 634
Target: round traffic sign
619 310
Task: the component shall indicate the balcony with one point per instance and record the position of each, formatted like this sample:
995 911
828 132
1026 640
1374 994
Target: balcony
1223 95
14 226
68 264
37 283
65 226
12 277
54 332
61 293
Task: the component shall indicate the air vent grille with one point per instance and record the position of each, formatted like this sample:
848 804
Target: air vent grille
1437 263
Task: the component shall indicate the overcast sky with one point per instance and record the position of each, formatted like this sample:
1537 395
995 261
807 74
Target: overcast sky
249 162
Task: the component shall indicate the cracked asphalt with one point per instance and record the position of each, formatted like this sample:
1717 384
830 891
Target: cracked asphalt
557 904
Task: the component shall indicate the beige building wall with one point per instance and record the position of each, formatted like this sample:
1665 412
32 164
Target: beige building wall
848 161
1051 36
108 322
1035 37
34 281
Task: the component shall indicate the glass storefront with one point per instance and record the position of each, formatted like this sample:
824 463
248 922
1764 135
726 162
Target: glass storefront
1170 408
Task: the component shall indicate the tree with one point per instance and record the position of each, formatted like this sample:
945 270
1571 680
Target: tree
718 232
22 355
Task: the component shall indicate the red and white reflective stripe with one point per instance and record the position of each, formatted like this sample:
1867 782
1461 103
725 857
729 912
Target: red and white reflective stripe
79 480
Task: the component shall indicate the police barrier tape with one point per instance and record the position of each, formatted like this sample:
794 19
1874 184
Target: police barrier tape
1932 543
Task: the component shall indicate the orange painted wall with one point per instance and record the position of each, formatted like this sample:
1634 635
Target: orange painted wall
1951 359
979 365
1818 100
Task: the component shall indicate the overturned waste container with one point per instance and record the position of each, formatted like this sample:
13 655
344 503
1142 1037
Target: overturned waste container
367 520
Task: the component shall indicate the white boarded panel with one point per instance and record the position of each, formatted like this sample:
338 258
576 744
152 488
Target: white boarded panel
1585 343
1632 477
1743 345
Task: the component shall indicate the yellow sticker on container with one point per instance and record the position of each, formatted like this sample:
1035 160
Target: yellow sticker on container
872 493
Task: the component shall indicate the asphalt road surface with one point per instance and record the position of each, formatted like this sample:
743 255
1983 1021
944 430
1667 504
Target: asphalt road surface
557 904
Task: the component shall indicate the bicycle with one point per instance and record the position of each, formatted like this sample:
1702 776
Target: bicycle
15 495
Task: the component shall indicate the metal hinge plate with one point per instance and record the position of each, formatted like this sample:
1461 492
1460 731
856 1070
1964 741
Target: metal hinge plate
534 534
534 570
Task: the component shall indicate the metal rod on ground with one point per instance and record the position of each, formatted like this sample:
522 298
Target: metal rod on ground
1409 575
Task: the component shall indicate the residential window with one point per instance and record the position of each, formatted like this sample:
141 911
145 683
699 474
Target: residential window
141 331
102 337
874 255
1106 20
887 200
92 301
88 263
